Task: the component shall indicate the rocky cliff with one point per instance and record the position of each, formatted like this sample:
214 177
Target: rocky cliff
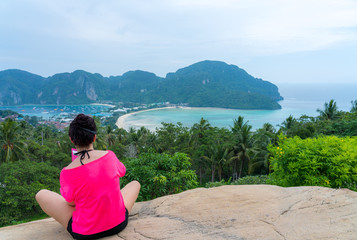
228 212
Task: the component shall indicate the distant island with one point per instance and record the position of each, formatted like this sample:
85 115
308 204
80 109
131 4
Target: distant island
203 84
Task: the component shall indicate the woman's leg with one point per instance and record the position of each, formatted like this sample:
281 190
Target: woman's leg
55 206
130 193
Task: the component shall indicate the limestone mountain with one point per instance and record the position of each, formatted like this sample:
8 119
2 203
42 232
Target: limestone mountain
217 84
135 86
78 87
203 84
18 87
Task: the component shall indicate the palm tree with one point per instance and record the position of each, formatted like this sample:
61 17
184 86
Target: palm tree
140 139
109 136
12 147
288 124
224 156
197 138
134 142
354 106
201 127
238 124
245 144
100 142
145 138
263 137
122 135
242 136
330 110
218 156
197 133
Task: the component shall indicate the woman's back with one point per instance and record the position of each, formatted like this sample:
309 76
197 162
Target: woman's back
95 190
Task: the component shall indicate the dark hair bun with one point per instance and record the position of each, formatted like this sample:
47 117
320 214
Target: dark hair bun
82 130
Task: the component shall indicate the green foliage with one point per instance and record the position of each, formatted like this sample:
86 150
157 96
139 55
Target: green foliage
303 127
248 180
345 125
330 122
354 106
245 144
160 174
19 183
172 138
12 146
218 184
251 180
327 161
219 151
330 110
7 112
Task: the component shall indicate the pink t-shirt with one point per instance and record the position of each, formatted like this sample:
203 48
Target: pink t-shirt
95 189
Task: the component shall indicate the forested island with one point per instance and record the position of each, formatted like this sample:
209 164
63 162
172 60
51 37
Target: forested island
305 151
203 84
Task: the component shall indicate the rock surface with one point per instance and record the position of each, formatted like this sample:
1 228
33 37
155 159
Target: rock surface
228 212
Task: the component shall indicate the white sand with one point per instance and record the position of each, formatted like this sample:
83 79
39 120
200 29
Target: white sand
121 120
103 104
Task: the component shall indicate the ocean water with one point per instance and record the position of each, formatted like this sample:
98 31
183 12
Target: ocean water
299 99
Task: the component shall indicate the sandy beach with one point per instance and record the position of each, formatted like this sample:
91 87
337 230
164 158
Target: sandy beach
121 120
103 104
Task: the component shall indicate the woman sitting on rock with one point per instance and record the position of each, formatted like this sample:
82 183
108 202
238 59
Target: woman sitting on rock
92 204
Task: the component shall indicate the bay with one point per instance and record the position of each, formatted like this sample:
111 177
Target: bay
299 99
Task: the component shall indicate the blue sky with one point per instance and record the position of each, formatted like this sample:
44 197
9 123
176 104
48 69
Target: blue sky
282 41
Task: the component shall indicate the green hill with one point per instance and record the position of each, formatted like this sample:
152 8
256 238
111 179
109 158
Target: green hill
18 87
135 86
203 84
217 84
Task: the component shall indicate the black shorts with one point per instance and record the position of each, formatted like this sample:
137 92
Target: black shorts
106 233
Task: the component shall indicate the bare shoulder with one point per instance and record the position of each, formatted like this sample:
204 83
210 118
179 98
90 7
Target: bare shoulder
93 155
98 154
73 164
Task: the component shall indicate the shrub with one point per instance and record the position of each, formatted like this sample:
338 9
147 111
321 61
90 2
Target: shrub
248 180
327 161
217 184
160 174
19 183
251 180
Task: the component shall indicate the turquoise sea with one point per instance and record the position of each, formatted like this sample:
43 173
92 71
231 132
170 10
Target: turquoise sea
299 99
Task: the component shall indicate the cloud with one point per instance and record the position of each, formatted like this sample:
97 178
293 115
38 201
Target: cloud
255 26
277 26
169 34
293 26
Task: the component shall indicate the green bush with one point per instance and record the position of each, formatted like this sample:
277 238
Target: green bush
160 174
248 180
19 183
217 184
251 180
327 161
